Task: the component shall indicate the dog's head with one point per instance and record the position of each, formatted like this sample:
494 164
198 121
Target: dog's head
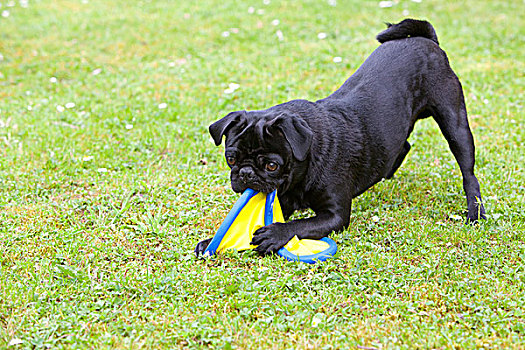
265 150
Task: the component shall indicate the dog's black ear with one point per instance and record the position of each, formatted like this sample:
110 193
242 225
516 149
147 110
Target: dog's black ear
297 132
220 127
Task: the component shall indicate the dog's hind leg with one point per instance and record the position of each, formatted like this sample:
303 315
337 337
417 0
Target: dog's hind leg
453 122
399 160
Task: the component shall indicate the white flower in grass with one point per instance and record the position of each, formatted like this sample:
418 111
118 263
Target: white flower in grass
337 59
87 158
251 9
231 88
316 320
53 80
385 4
129 126
275 22
375 218
280 35
321 36
60 108
496 216
163 105
225 34
332 2
70 105
5 13
102 170
15 341
97 71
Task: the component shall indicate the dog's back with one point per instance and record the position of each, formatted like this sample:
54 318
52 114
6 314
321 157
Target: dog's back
394 86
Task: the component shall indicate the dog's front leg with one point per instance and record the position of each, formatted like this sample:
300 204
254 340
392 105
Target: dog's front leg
271 238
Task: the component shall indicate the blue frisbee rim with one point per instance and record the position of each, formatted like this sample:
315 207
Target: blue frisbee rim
312 258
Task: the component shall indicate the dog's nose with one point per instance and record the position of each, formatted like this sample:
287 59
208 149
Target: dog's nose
246 174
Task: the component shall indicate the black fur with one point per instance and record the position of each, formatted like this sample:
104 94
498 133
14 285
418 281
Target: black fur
408 28
332 150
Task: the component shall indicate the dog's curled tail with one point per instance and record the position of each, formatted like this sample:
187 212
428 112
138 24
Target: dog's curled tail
408 28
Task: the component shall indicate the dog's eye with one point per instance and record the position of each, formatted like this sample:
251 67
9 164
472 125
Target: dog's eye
231 161
271 166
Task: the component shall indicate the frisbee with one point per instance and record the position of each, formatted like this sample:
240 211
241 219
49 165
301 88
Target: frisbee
254 210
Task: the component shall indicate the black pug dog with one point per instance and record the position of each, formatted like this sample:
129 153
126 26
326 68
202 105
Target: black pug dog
322 154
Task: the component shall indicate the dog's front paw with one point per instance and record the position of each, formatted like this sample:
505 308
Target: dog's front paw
269 239
201 247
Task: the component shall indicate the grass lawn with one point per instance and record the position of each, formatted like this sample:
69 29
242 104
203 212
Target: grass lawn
108 179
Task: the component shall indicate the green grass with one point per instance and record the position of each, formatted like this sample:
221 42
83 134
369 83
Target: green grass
101 204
